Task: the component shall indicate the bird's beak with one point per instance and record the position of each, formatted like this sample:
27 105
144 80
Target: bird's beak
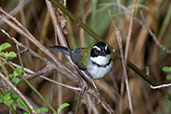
103 53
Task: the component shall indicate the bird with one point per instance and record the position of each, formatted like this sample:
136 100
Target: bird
93 62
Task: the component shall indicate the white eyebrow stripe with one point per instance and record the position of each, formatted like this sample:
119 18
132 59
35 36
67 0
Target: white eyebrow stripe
106 47
97 48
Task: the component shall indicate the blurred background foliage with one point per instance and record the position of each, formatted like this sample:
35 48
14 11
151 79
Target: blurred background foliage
143 51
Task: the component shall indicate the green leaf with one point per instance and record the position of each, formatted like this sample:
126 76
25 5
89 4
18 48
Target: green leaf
166 69
3 54
11 75
14 95
7 96
4 46
6 54
17 71
40 110
63 105
12 54
16 80
9 102
21 103
168 77
25 113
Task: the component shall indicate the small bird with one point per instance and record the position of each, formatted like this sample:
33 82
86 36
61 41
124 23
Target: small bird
94 63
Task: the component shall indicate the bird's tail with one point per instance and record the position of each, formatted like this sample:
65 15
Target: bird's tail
61 49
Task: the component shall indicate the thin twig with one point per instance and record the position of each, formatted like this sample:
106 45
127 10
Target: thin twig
160 86
129 32
153 35
3 68
126 56
90 105
20 60
119 39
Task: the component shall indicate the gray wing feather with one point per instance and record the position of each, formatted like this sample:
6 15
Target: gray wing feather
75 55
77 58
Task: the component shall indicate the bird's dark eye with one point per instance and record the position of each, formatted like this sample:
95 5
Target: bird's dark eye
94 52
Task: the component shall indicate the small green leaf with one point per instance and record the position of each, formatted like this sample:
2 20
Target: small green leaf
17 71
11 75
14 95
6 54
21 103
7 96
9 102
63 105
168 77
12 54
16 80
4 46
25 113
3 54
166 69
40 110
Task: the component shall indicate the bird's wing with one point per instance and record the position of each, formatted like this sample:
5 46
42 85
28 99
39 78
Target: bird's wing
79 57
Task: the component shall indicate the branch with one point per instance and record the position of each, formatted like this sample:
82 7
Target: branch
160 86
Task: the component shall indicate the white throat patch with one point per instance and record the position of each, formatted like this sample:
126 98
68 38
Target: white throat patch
101 60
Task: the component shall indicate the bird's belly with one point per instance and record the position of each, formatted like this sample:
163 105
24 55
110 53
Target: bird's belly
99 72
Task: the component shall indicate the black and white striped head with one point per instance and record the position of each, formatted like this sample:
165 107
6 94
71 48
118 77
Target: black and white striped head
100 54
100 49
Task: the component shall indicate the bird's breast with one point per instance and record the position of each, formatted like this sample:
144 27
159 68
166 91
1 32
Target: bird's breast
99 72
